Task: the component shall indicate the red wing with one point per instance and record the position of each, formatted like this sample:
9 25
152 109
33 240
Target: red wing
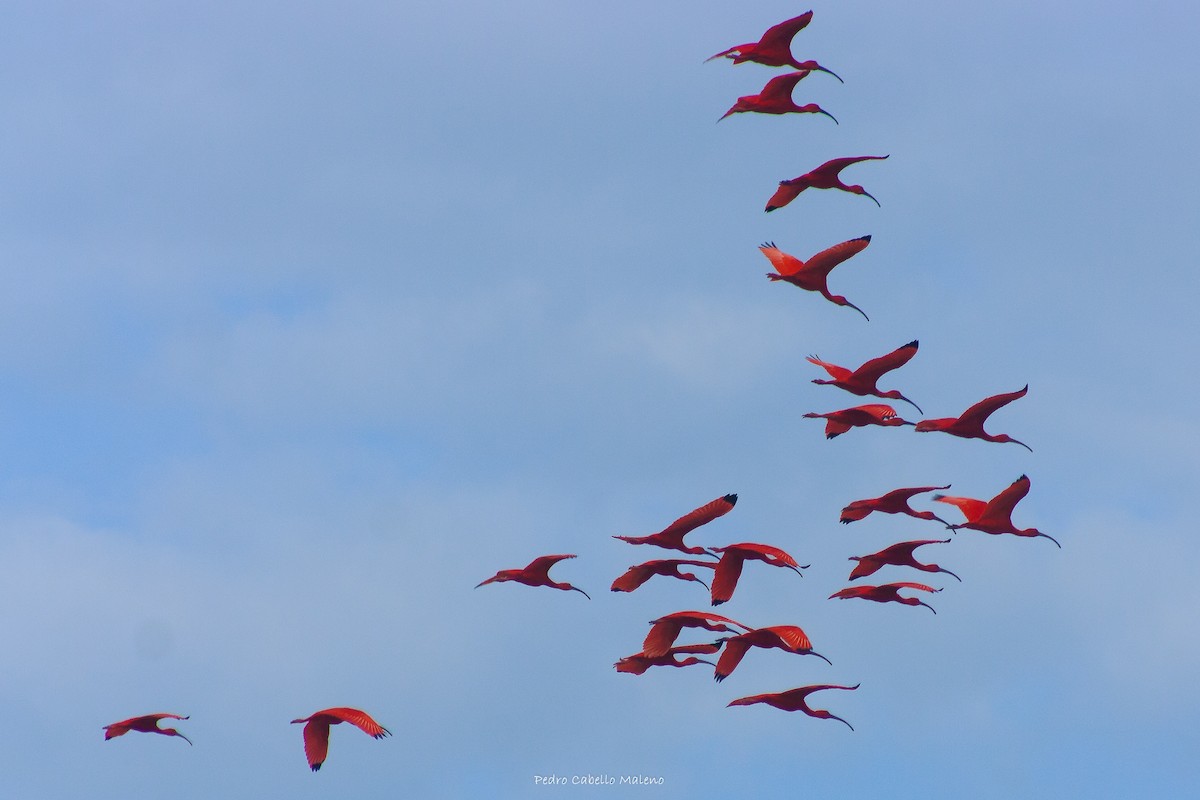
779 89
785 194
660 638
909 585
867 565
832 167
792 636
971 508
877 411
833 429
830 257
731 656
703 649
316 742
704 514
784 264
779 37
725 579
763 550
876 367
542 564
904 549
632 579
359 719
835 372
1001 506
857 510
984 408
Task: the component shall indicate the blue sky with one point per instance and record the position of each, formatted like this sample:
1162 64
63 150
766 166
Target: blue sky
313 318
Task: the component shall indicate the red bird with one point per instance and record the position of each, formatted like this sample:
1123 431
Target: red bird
838 422
638 574
994 516
665 630
144 724
823 177
785 637
671 537
316 731
887 593
638 663
898 555
813 274
795 700
894 502
776 98
969 424
862 380
536 574
774 49
729 568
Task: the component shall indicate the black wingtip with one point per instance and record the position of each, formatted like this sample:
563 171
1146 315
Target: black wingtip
731 499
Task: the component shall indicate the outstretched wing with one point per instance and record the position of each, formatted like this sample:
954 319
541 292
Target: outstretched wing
984 408
877 367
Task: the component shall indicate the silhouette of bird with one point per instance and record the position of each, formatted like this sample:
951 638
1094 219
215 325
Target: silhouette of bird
838 422
671 537
729 568
638 574
638 663
774 49
665 630
147 723
887 593
862 380
899 555
316 731
784 637
969 424
813 275
894 502
536 574
776 98
995 515
795 700
823 177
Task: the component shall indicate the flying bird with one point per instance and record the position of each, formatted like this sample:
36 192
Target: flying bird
638 663
148 723
795 700
784 637
823 177
898 555
776 98
894 502
774 48
638 574
671 537
729 568
536 574
838 422
665 630
887 593
862 381
813 275
316 731
995 515
969 424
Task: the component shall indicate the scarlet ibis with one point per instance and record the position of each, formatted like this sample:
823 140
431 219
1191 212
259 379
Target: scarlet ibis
823 177
729 568
838 422
995 515
147 723
776 98
862 380
665 630
671 537
969 424
638 663
795 700
316 731
894 502
536 574
774 49
638 574
899 555
813 275
887 593
784 637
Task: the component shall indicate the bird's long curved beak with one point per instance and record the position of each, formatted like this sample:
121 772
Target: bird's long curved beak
868 194
911 403
818 655
1027 447
831 116
830 72
859 310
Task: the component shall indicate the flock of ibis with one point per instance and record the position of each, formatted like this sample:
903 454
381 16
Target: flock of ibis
722 565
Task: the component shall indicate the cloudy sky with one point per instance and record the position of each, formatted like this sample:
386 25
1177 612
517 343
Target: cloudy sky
311 318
